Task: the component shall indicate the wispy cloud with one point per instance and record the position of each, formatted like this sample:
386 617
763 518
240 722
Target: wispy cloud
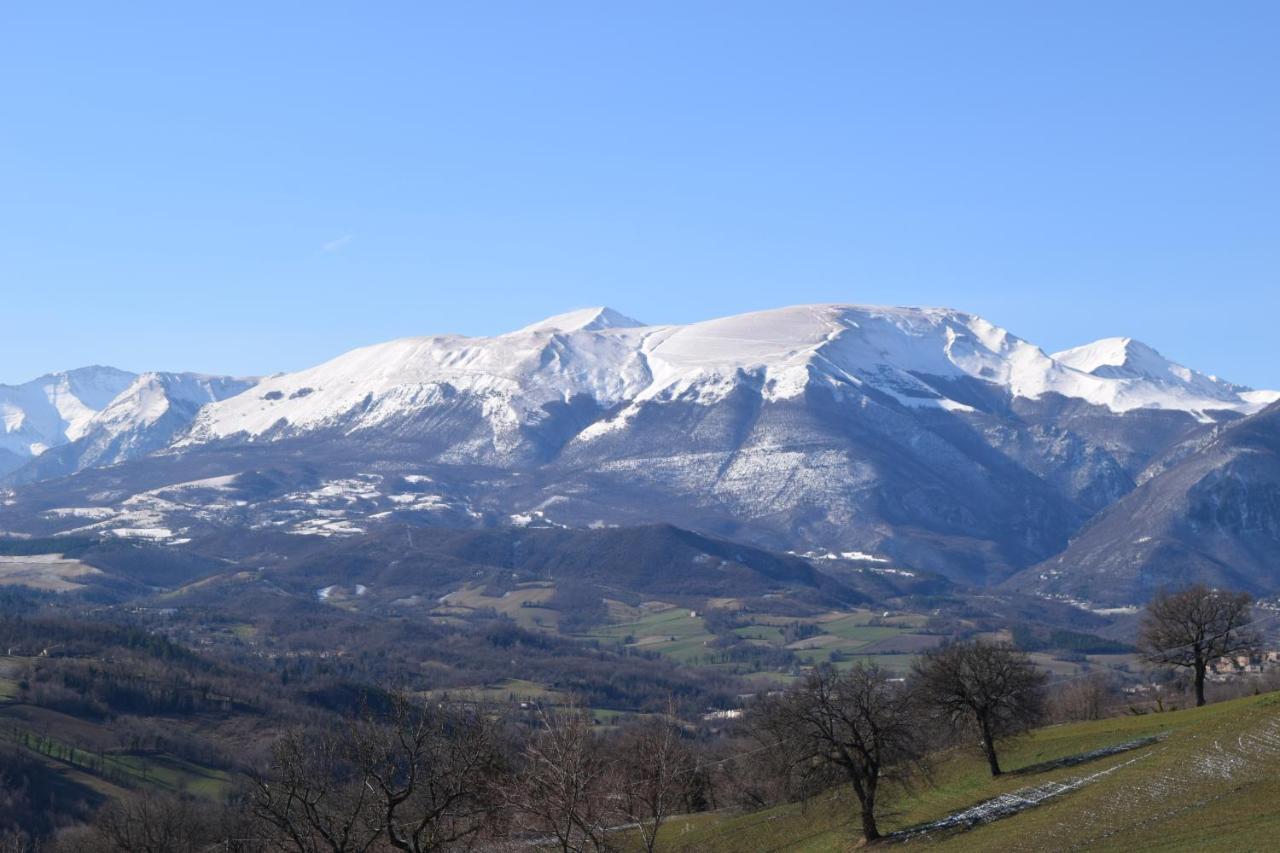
338 244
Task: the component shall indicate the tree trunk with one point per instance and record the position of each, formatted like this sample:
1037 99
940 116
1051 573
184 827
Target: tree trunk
866 791
989 746
870 832
1200 668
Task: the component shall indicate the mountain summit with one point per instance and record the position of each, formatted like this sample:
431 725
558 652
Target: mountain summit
53 409
1134 362
928 437
918 357
582 320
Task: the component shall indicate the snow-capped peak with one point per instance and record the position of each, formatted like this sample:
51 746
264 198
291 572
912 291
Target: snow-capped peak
1134 363
152 395
142 418
583 320
55 408
1121 358
918 357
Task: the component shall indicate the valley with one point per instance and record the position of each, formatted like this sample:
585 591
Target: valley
644 525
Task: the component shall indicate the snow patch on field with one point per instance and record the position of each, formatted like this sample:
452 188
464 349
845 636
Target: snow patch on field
1008 805
51 572
152 533
858 556
326 527
94 513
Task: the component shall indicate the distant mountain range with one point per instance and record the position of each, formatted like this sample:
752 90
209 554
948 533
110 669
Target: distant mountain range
52 410
63 422
918 438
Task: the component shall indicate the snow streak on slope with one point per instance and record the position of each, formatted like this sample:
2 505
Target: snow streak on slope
908 354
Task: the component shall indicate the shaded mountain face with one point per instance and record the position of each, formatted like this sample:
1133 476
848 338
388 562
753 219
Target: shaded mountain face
927 437
633 564
1210 511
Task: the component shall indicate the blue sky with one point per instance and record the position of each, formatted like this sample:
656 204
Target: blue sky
252 187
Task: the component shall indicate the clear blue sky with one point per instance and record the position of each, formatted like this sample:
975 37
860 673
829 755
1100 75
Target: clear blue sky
251 187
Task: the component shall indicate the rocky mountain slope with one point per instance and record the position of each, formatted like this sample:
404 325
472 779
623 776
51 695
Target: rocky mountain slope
926 438
1210 511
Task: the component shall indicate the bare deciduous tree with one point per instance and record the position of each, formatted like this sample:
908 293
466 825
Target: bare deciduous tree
855 727
314 799
1190 628
419 779
654 769
12 841
562 784
150 822
752 774
1082 699
434 772
989 686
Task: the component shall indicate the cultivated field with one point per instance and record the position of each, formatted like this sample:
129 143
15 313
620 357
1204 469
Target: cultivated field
48 572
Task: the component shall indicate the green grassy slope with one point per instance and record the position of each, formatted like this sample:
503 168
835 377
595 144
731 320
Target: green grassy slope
1211 783
77 749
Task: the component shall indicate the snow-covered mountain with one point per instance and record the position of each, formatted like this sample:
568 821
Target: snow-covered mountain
1156 381
142 418
914 356
53 409
927 437
594 355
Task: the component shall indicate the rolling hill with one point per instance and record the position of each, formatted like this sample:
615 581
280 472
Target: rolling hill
1208 781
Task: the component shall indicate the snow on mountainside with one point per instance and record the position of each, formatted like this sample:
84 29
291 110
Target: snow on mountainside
511 377
909 354
928 436
1144 371
153 395
583 320
142 418
55 408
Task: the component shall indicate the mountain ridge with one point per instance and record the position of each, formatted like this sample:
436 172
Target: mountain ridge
928 437
612 361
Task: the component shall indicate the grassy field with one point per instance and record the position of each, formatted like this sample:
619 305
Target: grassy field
521 604
1211 783
11 669
509 690
85 750
671 631
843 635
173 774
163 772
